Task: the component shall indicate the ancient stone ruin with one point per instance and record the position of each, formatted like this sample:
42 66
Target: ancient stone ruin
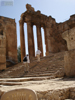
8 42
60 55
52 31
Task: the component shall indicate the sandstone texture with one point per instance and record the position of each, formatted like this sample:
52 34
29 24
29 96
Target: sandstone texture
69 58
2 48
8 40
69 63
69 36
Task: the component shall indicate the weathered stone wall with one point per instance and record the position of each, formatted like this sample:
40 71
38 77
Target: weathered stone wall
2 48
69 36
57 42
9 26
69 63
60 94
69 57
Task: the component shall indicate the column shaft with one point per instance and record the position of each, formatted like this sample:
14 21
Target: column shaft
46 41
39 39
30 40
22 40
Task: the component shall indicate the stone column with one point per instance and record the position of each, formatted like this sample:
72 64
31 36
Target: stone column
39 39
22 40
30 40
46 41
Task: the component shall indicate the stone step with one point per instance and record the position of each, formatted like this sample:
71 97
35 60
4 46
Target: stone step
9 83
47 69
18 81
41 72
38 75
38 72
50 63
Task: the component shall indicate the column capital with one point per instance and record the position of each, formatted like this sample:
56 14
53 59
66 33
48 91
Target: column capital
30 23
21 22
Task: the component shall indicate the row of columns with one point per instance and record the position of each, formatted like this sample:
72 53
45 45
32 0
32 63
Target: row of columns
31 47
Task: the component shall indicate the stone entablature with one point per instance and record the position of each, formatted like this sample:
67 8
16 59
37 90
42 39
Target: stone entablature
8 27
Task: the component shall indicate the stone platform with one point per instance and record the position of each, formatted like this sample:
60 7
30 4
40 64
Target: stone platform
47 89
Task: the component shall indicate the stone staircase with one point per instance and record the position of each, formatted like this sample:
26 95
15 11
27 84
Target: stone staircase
40 79
49 66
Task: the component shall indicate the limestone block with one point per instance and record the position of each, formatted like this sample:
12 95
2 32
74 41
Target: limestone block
8 38
2 58
2 66
72 93
69 63
2 51
2 43
11 41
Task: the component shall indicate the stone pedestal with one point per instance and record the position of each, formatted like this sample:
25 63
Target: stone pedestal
22 40
69 63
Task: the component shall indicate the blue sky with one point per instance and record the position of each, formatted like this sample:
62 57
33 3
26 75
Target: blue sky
58 9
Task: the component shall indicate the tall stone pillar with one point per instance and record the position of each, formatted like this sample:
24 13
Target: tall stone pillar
22 40
39 39
30 40
46 41
49 39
